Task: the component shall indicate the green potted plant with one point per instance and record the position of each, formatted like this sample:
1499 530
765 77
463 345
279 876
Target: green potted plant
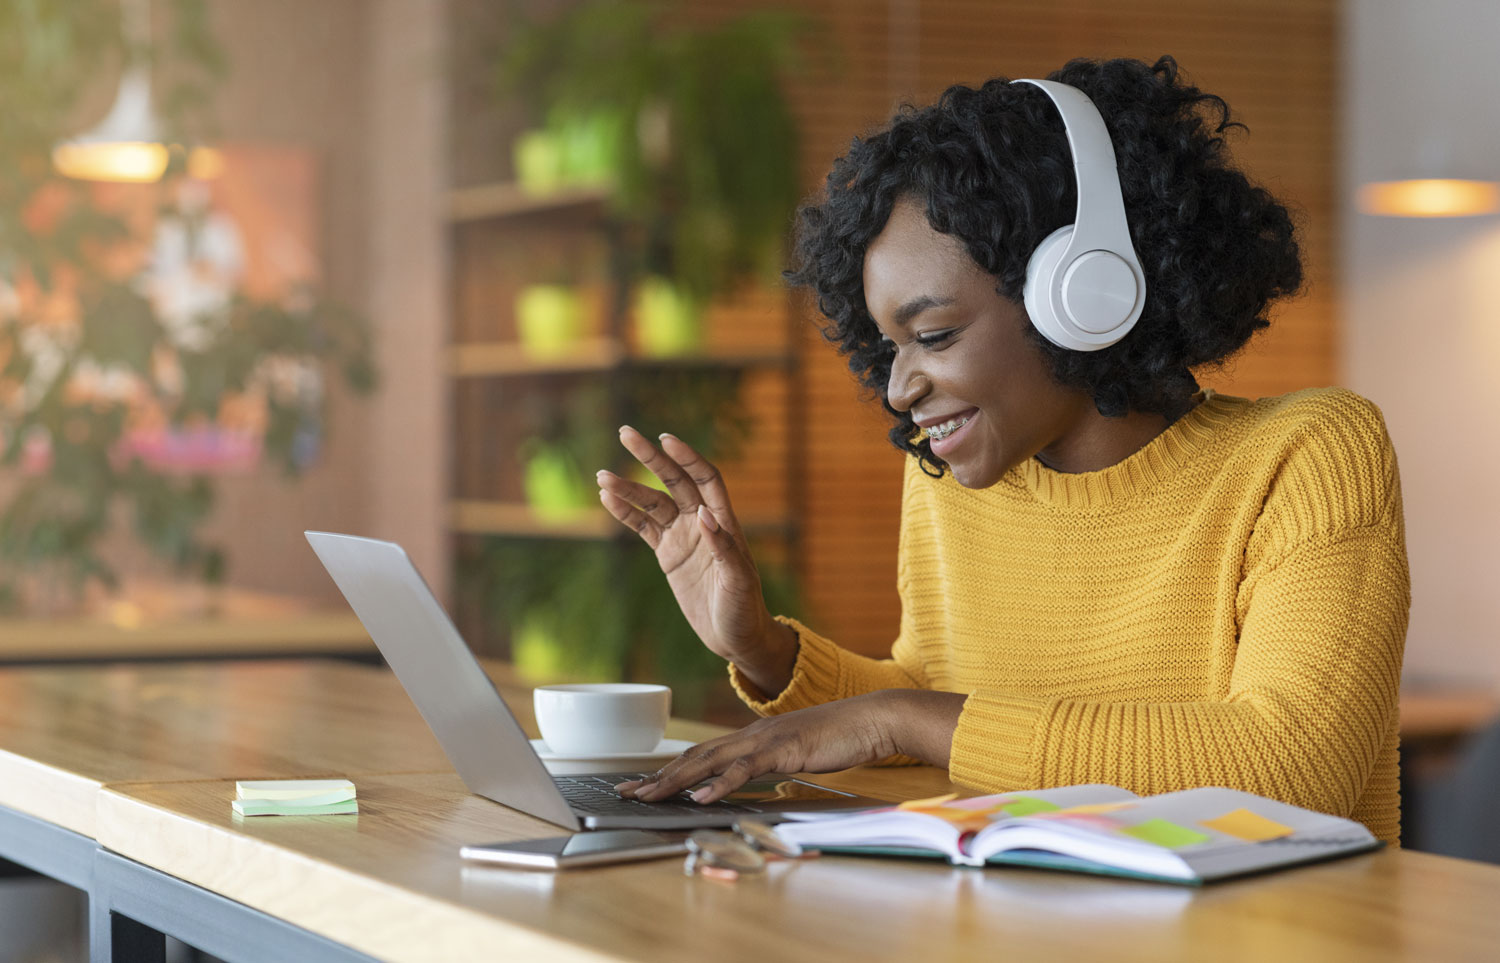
691 126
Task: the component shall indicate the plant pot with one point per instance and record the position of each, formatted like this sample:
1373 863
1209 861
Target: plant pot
668 321
535 650
540 653
554 485
581 151
549 319
538 159
589 148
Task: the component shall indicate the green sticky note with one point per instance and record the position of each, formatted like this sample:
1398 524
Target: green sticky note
1164 833
282 807
1027 805
292 788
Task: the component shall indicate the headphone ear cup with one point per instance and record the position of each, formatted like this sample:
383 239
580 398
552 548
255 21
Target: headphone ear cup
1041 278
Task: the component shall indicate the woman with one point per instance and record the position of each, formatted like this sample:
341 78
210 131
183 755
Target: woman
1107 575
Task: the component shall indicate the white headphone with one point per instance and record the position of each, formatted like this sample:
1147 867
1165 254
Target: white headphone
1084 284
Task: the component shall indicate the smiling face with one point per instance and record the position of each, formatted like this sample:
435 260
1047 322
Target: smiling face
965 367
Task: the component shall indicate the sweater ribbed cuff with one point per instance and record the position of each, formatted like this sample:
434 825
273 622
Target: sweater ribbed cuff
994 743
815 676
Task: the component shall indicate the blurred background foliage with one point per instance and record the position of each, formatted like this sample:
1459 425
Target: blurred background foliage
688 121
603 609
681 122
82 349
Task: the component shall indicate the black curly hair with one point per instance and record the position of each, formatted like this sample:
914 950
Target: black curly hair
993 168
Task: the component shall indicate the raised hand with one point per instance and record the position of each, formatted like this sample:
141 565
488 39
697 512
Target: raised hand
701 548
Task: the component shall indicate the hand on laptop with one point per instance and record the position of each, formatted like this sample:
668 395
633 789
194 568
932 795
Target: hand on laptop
701 548
824 738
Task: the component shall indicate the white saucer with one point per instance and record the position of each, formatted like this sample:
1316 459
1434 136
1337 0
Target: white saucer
559 764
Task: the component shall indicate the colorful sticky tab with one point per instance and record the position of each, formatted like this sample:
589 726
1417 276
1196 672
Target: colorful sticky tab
1249 826
1164 833
1028 805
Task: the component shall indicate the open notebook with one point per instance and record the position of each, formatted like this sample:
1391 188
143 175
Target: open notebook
1192 836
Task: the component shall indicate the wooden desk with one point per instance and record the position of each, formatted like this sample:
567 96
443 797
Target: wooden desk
389 882
1436 714
144 759
67 731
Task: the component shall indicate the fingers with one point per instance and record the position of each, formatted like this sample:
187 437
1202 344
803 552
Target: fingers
657 504
705 476
723 545
682 489
632 518
739 772
721 766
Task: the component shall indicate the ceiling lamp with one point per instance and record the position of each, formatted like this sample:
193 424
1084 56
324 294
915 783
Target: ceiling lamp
127 145
1430 197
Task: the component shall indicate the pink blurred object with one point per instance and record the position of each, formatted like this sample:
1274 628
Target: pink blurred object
36 455
191 451
181 451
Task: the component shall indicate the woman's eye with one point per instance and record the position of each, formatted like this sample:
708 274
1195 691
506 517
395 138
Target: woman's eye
935 338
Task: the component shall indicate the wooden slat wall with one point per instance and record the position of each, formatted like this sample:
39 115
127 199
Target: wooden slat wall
1274 61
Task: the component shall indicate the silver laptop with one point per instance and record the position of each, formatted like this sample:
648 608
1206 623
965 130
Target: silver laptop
480 736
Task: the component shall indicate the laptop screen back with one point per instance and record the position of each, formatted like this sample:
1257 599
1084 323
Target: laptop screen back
450 689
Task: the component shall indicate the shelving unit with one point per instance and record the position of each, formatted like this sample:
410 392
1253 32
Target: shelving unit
502 238
499 358
474 517
487 201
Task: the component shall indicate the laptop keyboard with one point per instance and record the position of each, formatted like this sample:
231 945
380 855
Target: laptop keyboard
596 796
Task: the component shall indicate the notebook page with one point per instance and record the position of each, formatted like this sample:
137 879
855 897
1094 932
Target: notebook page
1211 831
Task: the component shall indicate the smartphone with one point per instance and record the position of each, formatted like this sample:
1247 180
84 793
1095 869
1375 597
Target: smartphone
580 849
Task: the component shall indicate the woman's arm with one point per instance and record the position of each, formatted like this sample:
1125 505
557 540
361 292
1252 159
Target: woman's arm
776 664
1312 697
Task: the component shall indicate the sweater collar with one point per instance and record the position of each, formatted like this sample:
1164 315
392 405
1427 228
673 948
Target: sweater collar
1141 471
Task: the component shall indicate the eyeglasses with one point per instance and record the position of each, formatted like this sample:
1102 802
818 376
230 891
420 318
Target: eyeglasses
744 851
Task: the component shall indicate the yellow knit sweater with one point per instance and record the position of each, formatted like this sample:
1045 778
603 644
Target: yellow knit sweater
1225 607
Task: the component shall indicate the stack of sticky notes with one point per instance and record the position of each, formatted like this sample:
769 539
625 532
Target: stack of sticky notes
295 797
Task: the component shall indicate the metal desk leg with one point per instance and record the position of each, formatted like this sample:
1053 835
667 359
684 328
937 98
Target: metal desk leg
50 850
114 937
133 905
120 939
42 847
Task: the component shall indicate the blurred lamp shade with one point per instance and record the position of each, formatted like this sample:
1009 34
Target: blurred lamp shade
1430 197
127 145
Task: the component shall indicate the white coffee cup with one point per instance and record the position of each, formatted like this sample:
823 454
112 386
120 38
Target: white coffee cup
602 718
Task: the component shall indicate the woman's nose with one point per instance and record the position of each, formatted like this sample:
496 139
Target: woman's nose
906 385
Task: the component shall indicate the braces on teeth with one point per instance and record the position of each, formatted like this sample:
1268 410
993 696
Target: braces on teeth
939 432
